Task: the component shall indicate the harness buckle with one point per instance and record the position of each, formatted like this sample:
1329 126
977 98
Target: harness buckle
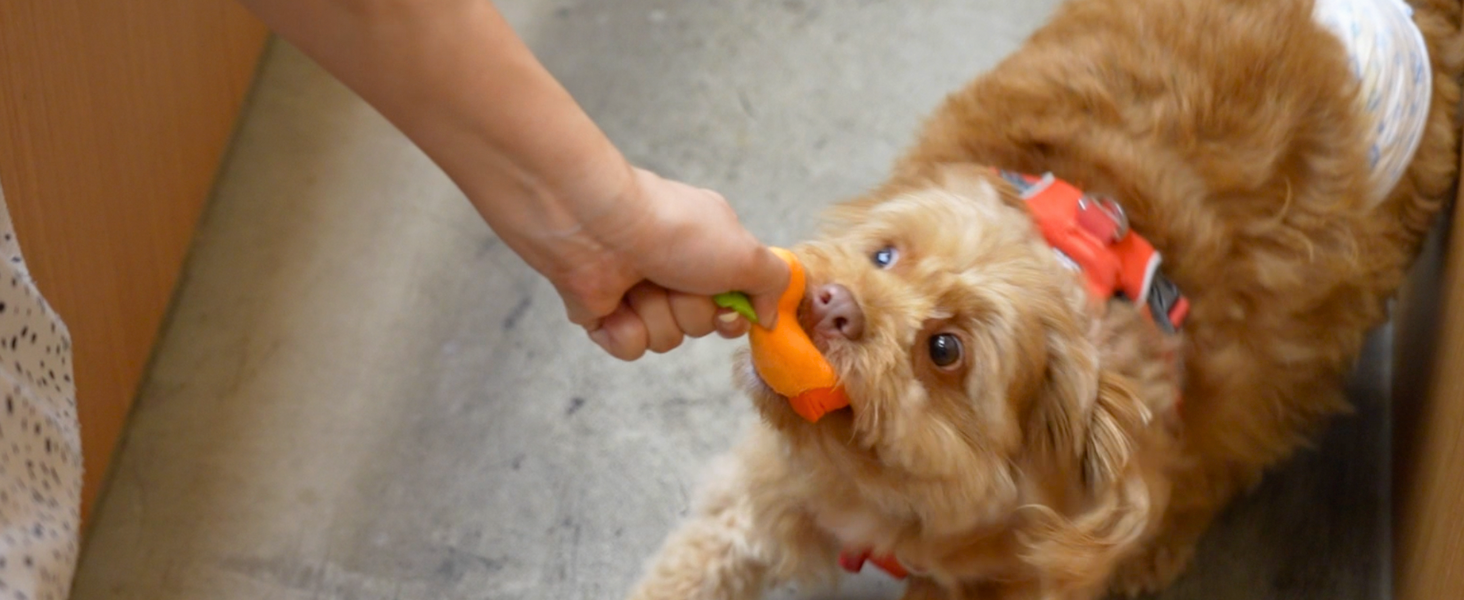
1117 223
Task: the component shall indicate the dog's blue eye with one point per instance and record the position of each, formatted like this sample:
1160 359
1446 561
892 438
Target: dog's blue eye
884 257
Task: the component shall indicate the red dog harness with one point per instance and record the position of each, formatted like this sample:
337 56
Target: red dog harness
1091 236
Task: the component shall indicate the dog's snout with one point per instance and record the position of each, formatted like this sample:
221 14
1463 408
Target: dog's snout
836 313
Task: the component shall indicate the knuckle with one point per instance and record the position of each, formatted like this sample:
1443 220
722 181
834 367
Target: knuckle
596 294
667 345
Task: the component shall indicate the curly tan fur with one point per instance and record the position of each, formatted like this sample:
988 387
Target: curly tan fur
1052 461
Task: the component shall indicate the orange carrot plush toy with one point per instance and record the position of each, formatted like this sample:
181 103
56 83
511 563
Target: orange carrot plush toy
784 356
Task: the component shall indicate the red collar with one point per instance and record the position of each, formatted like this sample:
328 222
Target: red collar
1091 235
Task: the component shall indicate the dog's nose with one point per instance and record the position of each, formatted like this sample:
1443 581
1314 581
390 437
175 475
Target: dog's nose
836 313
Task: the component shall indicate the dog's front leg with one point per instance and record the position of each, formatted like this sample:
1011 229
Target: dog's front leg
741 539
710 557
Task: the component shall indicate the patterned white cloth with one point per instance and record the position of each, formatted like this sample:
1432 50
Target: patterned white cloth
1390 59
40 442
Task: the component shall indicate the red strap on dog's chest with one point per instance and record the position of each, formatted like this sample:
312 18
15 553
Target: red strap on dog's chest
1091 235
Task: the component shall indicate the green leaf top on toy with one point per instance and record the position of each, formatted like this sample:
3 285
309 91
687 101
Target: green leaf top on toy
737 302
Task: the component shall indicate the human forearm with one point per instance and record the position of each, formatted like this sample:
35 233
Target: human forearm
633 255
454 77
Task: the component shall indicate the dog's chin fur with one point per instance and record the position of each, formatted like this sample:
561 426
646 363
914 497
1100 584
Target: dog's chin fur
1053 460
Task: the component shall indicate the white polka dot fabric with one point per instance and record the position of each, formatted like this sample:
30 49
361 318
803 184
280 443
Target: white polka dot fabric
1390 59
40 444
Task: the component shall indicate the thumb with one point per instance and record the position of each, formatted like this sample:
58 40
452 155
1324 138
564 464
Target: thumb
763 278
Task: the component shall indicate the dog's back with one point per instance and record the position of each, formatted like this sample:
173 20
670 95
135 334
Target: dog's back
1232 132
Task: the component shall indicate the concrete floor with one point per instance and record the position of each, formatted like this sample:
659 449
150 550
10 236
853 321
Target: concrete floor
362 394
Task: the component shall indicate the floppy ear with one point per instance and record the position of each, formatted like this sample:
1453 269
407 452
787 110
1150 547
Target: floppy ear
1117 416
1058 421
1083 420
1084 428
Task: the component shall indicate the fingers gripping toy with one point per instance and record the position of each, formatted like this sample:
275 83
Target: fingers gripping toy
784 356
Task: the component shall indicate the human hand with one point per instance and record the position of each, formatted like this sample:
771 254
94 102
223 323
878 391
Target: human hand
645 274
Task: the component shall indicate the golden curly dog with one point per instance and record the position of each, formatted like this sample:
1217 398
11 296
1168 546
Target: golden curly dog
1008 438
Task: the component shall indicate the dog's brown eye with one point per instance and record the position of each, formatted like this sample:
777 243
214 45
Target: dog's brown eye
945 350
884 257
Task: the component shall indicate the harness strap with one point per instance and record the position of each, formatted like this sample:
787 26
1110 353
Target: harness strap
1091 235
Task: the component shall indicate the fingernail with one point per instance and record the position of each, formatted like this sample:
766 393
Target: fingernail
728 317
601 337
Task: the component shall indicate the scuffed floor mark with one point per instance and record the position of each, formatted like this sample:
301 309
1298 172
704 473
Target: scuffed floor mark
443 571
517 313
283 573
575 404
459 562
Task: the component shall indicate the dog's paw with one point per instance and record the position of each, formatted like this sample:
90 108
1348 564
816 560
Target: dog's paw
1153 569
